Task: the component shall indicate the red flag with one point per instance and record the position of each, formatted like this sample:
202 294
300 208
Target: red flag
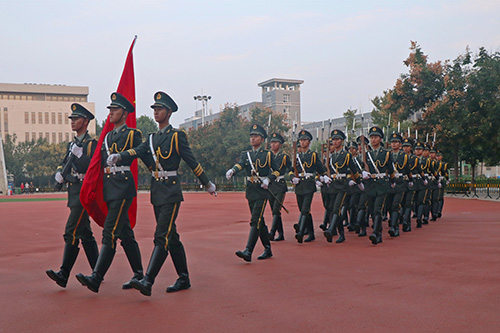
91 195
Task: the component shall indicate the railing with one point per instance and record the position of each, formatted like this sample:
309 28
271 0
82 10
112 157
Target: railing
487 188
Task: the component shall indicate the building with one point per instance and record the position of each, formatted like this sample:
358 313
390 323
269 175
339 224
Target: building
320 130
34 111
283 95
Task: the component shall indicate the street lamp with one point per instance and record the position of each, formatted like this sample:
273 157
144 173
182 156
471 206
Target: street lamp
204 101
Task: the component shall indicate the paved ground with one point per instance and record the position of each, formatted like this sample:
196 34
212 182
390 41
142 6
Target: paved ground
444 277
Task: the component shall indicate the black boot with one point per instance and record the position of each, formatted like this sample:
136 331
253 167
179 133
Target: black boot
246 254
333 226
361 222
301 227
440 208
157 259
104 260
420 211
92 252
274 227
434 210
134 258
344 218
267 253
425 219
267 244
69 258
281 233
352 220
310 228
323 226
407 220
377 226
180 263
341 238
394 230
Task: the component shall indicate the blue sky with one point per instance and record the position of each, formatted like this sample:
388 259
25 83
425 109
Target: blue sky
345 51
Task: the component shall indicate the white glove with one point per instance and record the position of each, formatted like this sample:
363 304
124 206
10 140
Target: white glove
325 179
440 185
210 188
295 180
229 173
265 183
426 182
447 182
59 178
318 183
77 151
361 186
366 175
113 159
410 184
352 183
393 185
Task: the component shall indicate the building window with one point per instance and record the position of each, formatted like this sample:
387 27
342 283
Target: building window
40 135
66 119
67 137
286 98
27 137
6 120
60 137
33 136
53 137
47 137
40 118
33 117
59 118
26 118
53 117
46 117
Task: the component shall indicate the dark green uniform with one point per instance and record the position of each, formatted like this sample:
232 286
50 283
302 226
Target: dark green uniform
444 178
422 189
407 203
435 188
279 189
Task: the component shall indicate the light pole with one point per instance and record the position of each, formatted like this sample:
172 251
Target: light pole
204 101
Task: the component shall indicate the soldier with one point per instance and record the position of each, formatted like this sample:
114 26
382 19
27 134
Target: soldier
436 185
422 185
119 190
444 179
166 148
432 186
403 180
308 164
78 154
362 213
259 165
407 202
340 163
379 180
355 191
325 191
278 187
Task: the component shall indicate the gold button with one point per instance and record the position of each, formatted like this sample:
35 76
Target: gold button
126 178
108 176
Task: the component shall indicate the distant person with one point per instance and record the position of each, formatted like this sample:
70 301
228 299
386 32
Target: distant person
79 153
22 188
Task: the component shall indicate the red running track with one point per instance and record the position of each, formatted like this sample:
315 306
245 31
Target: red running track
443 277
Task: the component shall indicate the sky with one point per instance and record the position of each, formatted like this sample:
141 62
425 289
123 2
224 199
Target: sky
347 52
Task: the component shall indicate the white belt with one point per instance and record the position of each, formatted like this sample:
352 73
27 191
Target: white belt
415 176
441 178
306 175
339 175
398 175
253 179
115 169
164 174
279 178
80 176
379 175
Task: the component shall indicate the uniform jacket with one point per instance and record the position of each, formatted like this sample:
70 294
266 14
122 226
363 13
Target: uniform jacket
79 166
402 167
264 165
312 165
344 163
284 162
383 162
169 148
120 185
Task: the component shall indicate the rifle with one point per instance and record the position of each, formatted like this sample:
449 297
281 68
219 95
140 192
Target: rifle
294 145
66 170
327 152
268 126
363 147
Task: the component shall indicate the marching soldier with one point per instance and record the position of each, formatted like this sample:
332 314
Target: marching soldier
278 187
379 180
119 191
432 184
166 148
78 155
258 165
355 191
325 191
345 174
435 184
422 186
444 179
407 202
308 164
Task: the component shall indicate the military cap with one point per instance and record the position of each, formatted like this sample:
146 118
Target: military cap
305 135
375 130
80 111
337 134
433 150
119 101
276 137
419 145
352 144
439 153
407 142
162 100
358 140
396 137
427 147
259 130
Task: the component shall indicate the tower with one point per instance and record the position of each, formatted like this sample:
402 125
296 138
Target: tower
283 96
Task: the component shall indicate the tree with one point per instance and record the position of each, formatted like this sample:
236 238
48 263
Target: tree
146 125
15 157
52 156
